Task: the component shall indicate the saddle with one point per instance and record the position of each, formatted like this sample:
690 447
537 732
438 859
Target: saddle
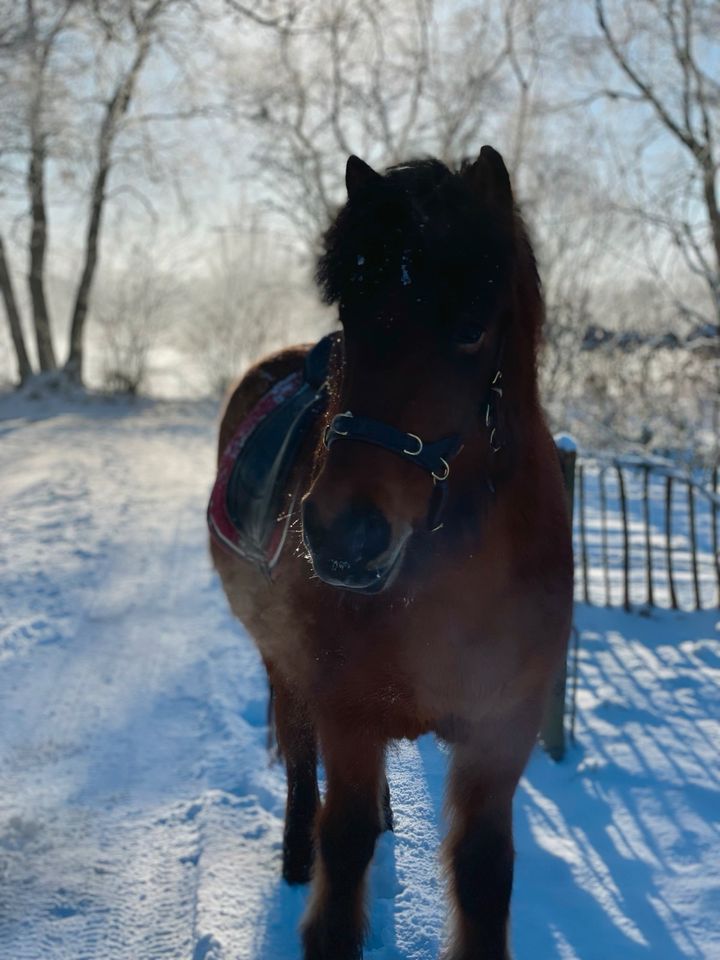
249 511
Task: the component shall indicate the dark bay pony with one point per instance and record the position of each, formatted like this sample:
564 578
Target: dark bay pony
432 588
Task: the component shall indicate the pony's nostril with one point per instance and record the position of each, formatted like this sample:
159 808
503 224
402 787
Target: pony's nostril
344 551
377 536
362 533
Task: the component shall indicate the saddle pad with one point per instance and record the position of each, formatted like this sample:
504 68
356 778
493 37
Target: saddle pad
249 511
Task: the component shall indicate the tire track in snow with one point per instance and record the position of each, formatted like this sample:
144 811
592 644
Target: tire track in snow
91 868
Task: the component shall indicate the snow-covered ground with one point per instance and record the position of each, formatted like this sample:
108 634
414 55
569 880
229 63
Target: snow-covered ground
139 817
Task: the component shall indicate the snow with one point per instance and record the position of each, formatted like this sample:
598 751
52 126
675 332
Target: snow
139 815
563 441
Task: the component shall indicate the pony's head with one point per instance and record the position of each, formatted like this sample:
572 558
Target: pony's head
431 271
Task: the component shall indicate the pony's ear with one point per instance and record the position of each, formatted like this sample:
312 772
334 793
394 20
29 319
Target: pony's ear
359 175
490 179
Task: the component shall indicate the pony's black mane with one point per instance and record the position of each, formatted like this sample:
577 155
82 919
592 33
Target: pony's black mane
420 226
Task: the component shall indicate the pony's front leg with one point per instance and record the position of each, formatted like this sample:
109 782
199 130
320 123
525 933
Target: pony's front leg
297 742
348 826
480 858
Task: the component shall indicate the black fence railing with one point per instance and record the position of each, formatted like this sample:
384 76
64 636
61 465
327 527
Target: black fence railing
646 534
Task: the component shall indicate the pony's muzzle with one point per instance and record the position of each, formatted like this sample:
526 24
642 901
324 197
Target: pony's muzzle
349 552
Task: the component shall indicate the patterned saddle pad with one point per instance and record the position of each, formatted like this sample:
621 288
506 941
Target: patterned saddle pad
249 511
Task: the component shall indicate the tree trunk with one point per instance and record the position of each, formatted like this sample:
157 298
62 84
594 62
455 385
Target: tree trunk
711 205
13 315
38 243
116 108
74 364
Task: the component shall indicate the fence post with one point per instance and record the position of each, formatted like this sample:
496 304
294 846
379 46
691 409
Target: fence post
668 540
626 538
648 537
604 536
552 731
583 537
693 544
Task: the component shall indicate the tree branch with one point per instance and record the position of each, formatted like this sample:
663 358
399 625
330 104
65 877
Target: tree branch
685 136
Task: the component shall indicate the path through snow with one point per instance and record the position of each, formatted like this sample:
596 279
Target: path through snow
139 817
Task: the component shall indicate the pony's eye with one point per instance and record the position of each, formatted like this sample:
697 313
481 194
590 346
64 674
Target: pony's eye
469 334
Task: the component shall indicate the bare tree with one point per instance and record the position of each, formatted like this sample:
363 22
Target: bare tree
667 53
144 32
385 80
41 36
73 70
34 39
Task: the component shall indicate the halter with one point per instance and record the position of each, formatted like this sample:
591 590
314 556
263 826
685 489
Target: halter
434 457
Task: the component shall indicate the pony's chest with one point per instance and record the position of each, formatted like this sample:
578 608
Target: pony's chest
402 672
361 671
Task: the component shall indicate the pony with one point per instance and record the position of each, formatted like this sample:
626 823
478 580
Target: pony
430 587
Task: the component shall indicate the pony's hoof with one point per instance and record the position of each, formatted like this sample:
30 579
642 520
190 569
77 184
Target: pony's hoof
297 863
318 944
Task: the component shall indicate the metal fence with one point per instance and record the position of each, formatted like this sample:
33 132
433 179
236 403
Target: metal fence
646 534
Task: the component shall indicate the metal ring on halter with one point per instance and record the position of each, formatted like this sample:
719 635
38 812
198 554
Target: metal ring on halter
415 453
342 433
331 428
439 479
